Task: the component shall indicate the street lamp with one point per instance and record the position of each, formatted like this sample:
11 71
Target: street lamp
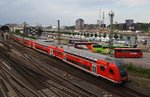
24 27
58 32
111 16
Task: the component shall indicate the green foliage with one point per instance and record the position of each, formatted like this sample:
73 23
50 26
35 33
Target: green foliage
87 34
95 35
104 35
116 36
84 34
121 36
100 35
139 70
32 37
17 32
110 36
136 38
144 27
128 37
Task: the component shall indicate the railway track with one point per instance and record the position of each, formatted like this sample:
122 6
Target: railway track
14 87
58 80
53 75
11 86
121 91
44 85
16 82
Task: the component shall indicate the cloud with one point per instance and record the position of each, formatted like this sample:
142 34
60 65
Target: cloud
129 2
135 2
49 11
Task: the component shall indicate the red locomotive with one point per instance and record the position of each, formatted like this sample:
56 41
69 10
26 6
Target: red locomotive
99 65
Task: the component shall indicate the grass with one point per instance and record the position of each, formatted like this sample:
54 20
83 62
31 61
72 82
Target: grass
138 71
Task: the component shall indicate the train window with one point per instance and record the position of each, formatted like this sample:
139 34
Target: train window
104 47
97 46
111 71
102 68
118 50
86 67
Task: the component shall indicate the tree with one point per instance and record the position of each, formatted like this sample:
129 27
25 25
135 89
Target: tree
116 36
84 34
136 38
95 35
39 32
144 27
17 31
91 35
121 36
104 35
74 34
5 28
128 38
87 34
109 36
99 35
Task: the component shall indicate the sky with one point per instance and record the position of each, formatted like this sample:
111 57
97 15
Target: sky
47 12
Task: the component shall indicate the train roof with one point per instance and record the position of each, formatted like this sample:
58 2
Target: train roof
85 53
39 41
128 49
24 38
80 52
44 42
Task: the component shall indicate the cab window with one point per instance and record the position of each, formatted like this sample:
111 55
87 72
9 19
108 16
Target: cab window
111 71
102 68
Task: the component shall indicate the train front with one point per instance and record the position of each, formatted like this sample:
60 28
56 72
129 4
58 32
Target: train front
122 70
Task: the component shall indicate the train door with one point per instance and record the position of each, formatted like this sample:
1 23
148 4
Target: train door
111 73
51 52
94 70
33 45
29 43
64 56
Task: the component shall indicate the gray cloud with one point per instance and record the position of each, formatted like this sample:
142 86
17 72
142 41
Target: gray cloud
48 11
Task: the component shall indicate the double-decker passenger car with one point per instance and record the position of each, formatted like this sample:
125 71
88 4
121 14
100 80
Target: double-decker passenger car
99 65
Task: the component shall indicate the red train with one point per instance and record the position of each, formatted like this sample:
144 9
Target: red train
109 68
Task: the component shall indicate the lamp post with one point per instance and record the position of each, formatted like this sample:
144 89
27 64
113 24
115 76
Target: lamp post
58 32
24 27
111 16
